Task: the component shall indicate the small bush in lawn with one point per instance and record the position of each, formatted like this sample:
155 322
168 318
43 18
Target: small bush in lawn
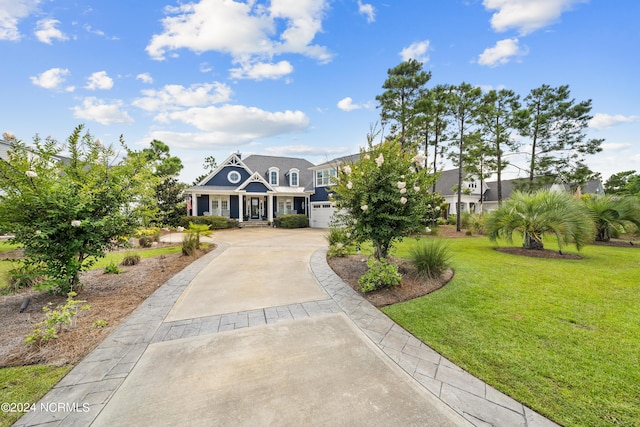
145 242
381 274
111 268
430 257
130 259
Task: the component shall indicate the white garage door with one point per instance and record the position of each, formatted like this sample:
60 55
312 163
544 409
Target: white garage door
321 214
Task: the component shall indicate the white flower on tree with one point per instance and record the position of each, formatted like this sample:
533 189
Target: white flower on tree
403 200
401 184
380 160
31 174
76 223
364 207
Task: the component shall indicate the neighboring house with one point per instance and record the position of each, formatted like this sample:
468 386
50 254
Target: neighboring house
471 200
258 188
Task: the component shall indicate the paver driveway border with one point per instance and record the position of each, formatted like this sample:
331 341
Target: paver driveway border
97 377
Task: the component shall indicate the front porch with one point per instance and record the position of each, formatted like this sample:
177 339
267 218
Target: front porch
247 207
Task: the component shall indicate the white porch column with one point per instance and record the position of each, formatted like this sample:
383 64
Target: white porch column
194 205
240 207
270 207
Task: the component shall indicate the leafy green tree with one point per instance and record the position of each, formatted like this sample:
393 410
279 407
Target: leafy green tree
611 213
543 212
618 183
67 212
464 105
383 196
167 205
162 162
496 117
403 88
171 203
556 126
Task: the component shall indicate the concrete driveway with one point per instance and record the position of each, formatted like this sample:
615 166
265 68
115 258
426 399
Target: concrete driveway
262 332
319 370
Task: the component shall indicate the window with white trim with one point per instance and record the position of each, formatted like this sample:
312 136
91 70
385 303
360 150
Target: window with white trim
294 177
234 177
273 176
325 177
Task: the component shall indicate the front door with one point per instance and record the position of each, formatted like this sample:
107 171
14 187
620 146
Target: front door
255 208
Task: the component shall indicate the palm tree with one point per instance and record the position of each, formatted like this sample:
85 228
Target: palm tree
543 212
613 212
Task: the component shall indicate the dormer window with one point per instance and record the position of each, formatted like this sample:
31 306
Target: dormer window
294 177
273 176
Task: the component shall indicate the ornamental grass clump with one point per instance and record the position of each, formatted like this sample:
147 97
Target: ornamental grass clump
430 257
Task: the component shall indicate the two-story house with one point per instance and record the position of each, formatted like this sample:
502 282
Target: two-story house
258 188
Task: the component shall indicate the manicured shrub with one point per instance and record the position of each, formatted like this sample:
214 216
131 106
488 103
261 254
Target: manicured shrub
292 221
430 257
381 274
214 222
130 259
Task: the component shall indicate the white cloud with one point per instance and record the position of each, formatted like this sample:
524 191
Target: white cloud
417 51
99 111
172 97
99 80
248 31
262 70
303 150
501 53
367 10
53 78
239 122
11 12
615 146
526 15
602 121
346 104
47 31
145 78
200 140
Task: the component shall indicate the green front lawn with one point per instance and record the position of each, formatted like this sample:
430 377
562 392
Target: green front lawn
560 336
26 385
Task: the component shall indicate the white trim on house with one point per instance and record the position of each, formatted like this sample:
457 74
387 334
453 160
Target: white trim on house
232 160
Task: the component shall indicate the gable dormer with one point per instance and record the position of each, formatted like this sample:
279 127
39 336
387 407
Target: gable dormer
273 176
294 177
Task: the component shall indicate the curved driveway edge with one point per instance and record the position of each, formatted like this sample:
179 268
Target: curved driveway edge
97 378
478 402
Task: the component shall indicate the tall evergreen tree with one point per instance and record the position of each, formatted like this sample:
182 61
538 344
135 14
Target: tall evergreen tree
497 116
464 102
403 87
556 126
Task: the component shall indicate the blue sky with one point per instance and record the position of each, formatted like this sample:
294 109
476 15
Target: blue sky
299 77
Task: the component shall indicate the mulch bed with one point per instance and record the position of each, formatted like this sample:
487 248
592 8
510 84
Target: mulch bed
111 296
350 268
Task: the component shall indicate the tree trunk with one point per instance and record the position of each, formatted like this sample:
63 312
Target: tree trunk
532 241
603 234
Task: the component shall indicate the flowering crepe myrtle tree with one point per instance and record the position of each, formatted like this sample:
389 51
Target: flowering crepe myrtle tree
383 196
66 212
